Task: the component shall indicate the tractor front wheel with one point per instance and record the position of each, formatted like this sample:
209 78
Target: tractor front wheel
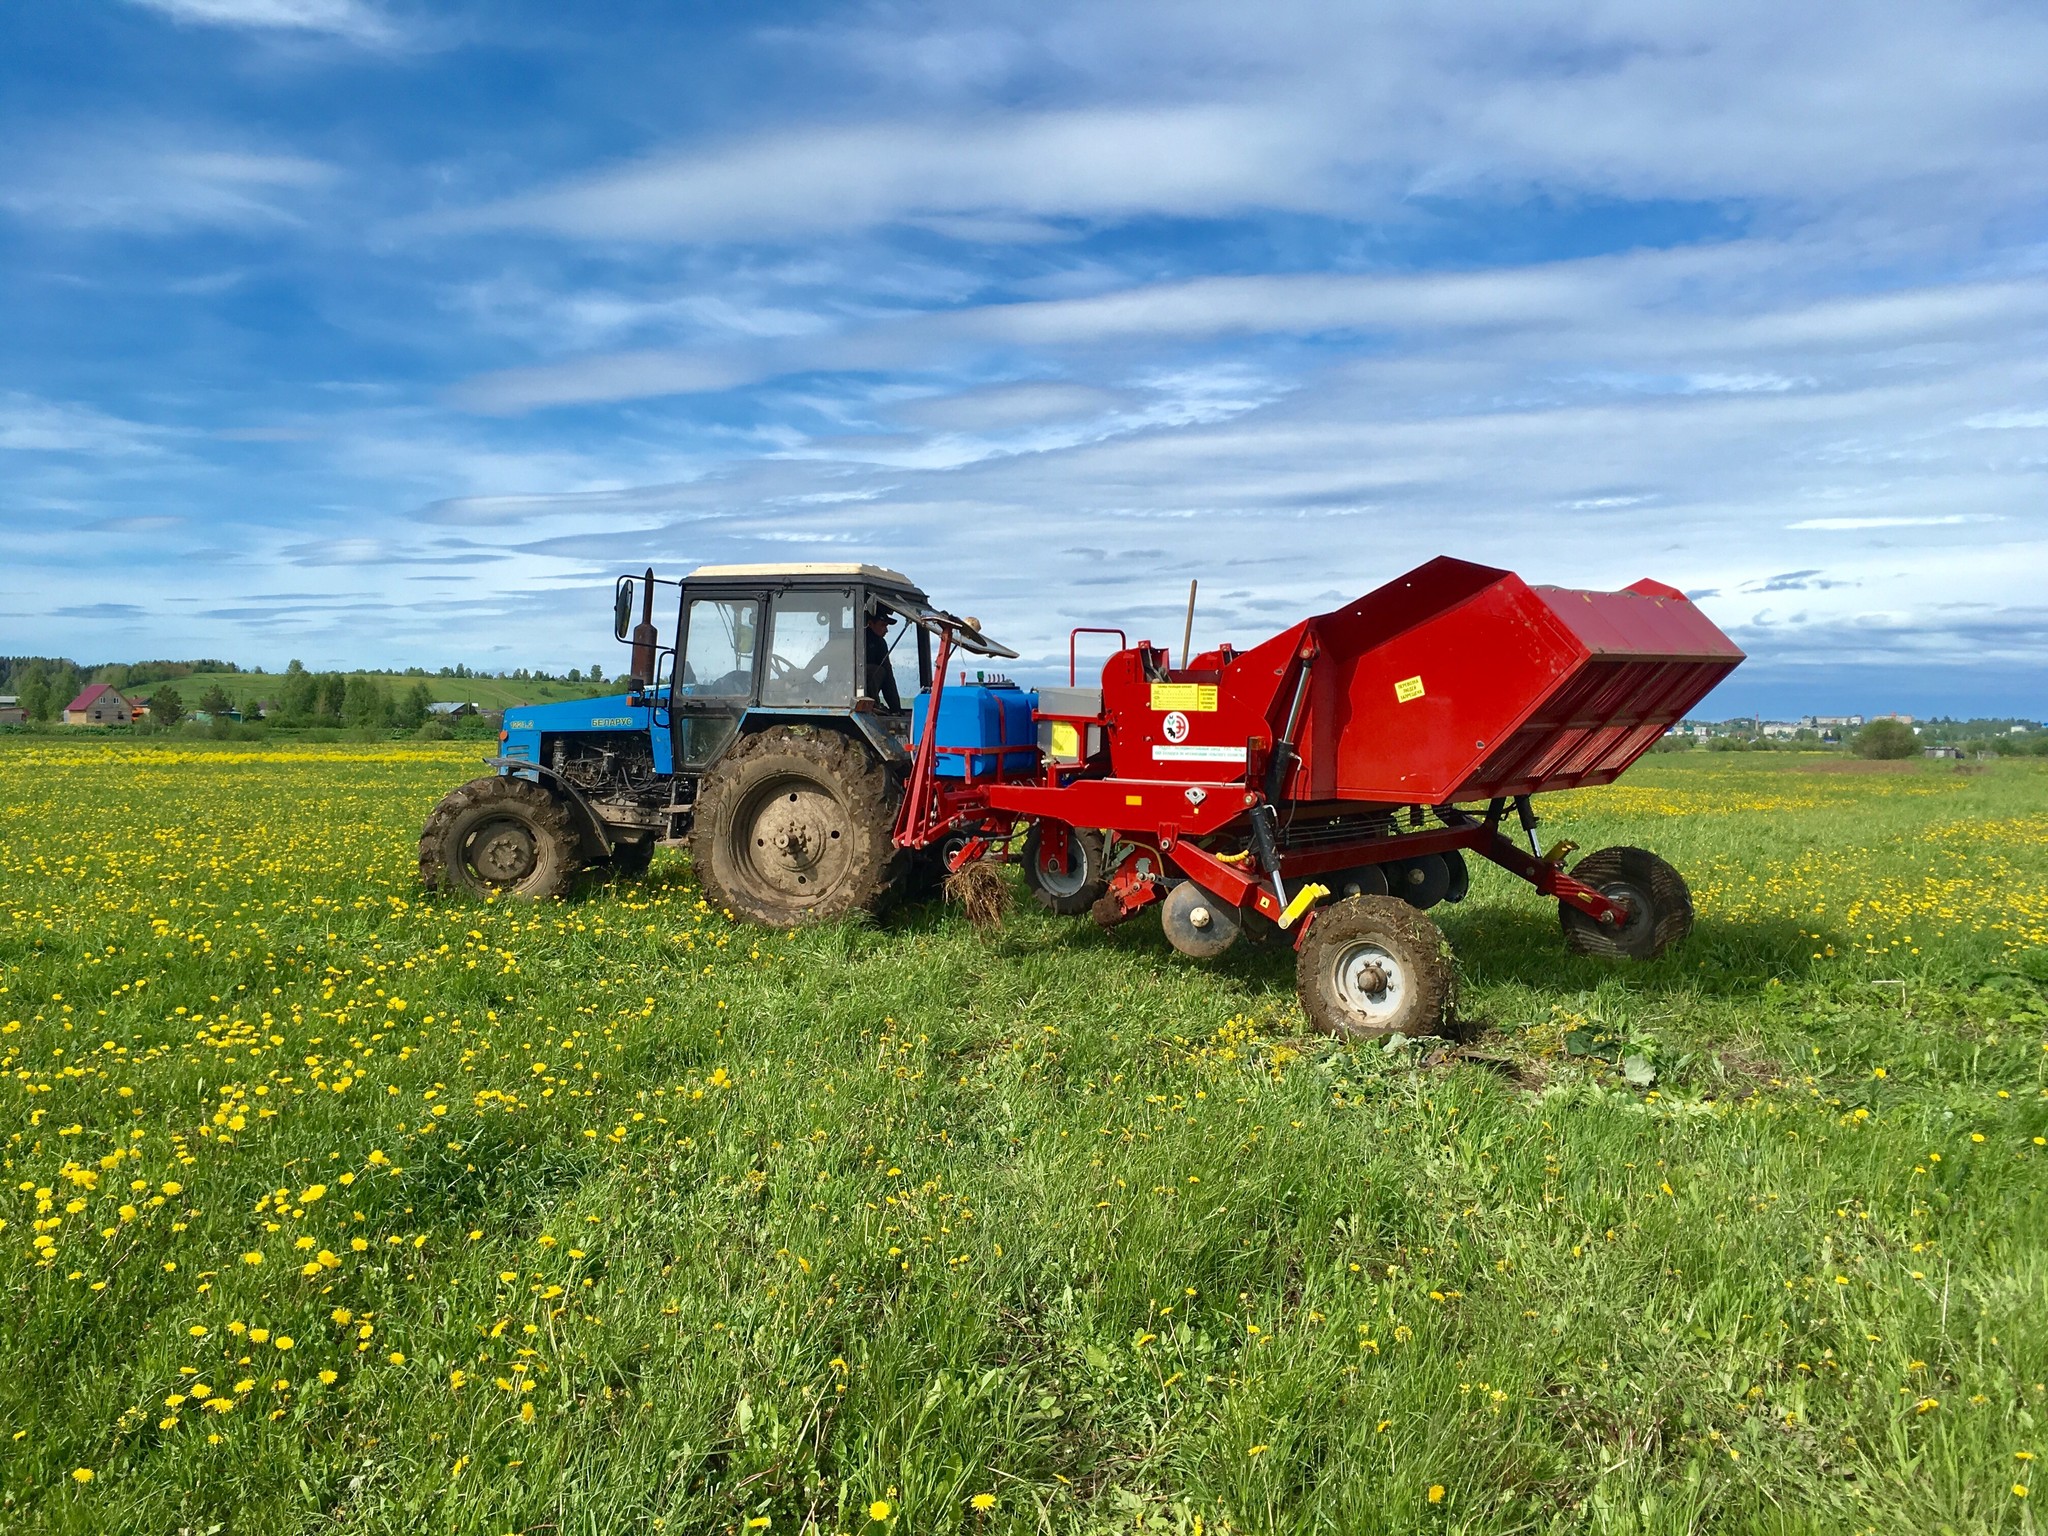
1373 966
1072 887
796 825
499 836
1659 906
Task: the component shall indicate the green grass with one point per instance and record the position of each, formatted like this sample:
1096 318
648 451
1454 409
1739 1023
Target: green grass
901 1213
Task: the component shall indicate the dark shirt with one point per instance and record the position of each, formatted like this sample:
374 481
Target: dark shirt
881 674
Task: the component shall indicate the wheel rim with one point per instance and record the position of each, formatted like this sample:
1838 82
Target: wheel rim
793 839
1068 881
1370 981
501 851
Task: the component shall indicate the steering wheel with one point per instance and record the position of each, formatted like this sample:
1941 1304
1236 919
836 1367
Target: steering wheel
778 668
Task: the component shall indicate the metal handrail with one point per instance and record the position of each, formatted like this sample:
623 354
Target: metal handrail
1123 643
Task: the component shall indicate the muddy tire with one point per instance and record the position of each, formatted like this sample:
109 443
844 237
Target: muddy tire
1660 906
1374 966
1071 891
500 836
796 825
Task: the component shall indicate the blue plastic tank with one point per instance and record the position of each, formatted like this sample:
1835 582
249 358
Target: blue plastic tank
991 715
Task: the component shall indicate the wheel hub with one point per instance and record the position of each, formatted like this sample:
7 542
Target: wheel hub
1370 981
503 852
1635 908
795 838
1062 879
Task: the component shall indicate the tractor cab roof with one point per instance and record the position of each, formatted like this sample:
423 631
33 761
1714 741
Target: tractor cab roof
901 593
880 575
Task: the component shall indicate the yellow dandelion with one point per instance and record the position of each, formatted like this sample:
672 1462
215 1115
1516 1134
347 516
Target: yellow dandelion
879 1510
983 1502
1436 1493
81 1474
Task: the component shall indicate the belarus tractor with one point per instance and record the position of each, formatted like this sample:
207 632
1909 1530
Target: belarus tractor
1323 788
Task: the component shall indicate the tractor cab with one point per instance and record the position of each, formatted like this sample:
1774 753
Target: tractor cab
763 643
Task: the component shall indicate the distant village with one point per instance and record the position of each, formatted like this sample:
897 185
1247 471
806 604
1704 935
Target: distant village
1942 736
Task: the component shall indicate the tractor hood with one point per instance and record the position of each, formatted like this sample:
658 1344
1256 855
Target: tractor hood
613 712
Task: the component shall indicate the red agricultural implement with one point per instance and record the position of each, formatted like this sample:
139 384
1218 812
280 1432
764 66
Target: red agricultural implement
1325 786
1358 755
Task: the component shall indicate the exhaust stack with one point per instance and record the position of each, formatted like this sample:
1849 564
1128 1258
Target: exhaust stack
646 639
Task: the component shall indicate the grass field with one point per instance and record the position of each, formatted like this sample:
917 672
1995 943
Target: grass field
328 1206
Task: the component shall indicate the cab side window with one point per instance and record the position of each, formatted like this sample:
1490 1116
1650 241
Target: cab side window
718 650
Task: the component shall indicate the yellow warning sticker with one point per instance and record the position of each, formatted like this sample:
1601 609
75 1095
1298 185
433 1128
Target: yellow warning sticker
1408 690
1195 698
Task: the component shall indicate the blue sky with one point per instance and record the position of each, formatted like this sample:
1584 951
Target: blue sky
371 332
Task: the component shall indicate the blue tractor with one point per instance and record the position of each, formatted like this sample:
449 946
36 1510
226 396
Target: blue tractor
773 738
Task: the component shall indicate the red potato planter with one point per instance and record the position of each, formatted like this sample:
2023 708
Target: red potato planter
1332 780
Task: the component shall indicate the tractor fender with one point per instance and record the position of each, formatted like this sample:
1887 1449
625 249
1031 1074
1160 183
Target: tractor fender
865 728
595 830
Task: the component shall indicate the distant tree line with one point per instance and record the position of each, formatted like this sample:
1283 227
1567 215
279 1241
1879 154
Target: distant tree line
297 697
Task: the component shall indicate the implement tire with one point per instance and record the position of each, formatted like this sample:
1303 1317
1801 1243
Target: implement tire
1374 966
1660 906
1071 891
499 836
797 825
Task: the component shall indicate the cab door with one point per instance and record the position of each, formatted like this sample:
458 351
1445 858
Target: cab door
716 677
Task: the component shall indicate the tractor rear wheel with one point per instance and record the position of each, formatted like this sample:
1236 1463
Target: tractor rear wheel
500 835
1373 966
1084 881
796 825
1660 906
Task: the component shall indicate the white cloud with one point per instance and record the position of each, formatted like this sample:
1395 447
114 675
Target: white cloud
1857 524
135 181
1181 108
2008 420
1090 163
32 425
351 19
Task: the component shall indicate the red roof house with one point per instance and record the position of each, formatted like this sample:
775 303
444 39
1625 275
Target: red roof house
99 705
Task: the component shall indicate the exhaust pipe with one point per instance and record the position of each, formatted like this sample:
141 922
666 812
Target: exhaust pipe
646 639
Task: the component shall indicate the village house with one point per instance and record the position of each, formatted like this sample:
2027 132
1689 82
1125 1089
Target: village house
99 705
11 712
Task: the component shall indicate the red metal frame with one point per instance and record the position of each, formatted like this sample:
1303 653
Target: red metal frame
1455 684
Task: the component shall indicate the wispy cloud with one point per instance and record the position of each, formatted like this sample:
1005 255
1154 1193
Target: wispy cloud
351 19
1858 524
1083 164
136 182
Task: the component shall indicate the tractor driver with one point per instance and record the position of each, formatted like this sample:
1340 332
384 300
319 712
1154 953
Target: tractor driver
881 674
